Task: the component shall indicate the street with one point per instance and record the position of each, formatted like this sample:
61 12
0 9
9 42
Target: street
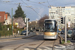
21 41
36 42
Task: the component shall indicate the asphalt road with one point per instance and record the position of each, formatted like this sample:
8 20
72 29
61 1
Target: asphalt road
22 41
33 40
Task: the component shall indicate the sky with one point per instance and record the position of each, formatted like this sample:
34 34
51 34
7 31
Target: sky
34 9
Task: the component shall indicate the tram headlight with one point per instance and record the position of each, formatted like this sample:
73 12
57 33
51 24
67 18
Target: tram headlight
53 33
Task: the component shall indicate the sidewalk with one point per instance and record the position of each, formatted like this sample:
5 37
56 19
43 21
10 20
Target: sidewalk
11 36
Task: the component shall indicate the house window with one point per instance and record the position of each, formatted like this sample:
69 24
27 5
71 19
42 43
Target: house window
69 19
52 17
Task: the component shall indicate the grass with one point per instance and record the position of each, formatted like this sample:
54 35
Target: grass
68 41
63 42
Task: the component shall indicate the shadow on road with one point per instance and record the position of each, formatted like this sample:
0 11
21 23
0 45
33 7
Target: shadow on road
40 37
1 46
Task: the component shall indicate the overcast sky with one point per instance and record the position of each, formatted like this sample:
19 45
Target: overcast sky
37 10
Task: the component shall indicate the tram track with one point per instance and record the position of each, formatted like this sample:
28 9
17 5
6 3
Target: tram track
46 44
40 45
53 45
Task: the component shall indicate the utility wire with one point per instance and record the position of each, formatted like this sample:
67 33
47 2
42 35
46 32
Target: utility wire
24 2
38 3
48 3
30 7
42 4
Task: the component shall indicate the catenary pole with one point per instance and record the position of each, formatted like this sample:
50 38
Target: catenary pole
65 30
12 20
27 26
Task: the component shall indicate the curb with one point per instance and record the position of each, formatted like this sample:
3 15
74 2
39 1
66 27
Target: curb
11 36
28 37
24 37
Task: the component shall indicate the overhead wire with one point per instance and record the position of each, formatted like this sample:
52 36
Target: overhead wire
24 2
48 3
38 3
30 7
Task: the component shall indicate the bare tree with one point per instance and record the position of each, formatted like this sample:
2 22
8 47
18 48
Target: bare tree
41 21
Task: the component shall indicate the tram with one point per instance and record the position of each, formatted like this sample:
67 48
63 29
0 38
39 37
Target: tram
50 29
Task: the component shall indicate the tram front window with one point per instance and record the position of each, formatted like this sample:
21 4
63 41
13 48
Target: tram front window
50 27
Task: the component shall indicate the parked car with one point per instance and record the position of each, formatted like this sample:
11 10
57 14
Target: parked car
31 30
24 32
69 33
73 35
62 32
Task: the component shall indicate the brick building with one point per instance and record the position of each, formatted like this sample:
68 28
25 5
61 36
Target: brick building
2 16
5 18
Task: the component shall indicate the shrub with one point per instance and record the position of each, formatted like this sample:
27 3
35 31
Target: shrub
62 42
68 41
0 26
5 32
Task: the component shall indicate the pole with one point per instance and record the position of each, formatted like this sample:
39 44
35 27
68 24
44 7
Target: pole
65 30
27 27
12 21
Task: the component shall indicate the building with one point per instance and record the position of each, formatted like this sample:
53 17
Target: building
59 12
4 18
8 19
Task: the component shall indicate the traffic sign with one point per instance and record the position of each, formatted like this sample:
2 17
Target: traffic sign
68 24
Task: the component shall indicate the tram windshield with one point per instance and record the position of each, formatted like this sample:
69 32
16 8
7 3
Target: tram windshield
50 26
